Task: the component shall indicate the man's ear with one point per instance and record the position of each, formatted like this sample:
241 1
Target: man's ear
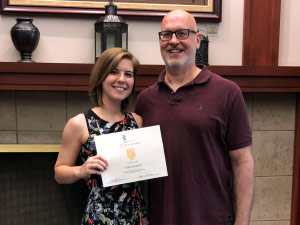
199 35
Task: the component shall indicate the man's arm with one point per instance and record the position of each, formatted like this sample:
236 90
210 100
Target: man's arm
243 175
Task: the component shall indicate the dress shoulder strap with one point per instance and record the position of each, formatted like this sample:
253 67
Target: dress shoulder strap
87 115
130 118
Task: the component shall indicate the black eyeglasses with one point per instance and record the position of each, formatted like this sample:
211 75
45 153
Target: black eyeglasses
180 34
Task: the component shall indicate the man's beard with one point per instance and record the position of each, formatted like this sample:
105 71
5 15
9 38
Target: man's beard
178 63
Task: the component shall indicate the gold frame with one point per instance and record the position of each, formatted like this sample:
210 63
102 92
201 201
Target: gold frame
126 6
209 12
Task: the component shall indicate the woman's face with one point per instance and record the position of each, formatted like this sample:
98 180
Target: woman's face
118 85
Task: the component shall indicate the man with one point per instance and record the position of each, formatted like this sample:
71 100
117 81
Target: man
206 136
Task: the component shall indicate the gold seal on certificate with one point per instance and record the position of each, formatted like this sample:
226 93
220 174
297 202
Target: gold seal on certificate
132 155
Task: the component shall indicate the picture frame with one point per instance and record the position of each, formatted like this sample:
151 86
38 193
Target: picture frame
207 10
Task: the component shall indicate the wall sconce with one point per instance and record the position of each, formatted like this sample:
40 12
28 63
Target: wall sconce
110 31
202 52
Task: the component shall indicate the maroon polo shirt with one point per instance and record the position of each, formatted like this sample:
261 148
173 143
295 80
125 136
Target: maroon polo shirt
200 123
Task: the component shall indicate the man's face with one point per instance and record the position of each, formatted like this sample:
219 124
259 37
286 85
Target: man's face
179 54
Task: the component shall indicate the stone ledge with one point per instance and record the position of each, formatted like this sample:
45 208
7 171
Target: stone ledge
16 148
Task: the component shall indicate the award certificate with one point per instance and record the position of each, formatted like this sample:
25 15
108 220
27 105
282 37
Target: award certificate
132 155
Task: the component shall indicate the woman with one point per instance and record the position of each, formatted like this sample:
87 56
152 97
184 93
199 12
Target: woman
111 87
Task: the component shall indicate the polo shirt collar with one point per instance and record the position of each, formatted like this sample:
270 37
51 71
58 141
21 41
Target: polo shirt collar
202 77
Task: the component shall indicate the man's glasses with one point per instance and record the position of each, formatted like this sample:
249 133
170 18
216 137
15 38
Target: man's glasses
180 34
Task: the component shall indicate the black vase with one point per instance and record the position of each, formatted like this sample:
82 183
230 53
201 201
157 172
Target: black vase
25 37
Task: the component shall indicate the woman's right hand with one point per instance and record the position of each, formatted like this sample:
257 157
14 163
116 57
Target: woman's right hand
93 165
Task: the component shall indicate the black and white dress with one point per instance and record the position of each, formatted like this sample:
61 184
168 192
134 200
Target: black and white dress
116 205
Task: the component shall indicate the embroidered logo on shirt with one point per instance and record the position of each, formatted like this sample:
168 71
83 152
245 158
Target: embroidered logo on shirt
200 107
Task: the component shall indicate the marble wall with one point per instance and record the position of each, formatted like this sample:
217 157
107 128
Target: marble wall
31 117
272 118
38 117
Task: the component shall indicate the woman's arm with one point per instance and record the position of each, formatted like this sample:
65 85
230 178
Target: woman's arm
75 133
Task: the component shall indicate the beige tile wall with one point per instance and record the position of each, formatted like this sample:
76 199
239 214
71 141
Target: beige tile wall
39 117
272 118
8 125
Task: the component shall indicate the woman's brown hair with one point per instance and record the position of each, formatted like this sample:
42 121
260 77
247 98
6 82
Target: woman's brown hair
106 63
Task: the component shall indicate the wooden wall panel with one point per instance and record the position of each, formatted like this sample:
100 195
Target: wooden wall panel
74 77
261 32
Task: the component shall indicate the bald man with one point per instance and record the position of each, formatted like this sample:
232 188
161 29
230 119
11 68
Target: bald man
206 135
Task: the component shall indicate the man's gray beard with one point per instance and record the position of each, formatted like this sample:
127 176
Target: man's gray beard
179 65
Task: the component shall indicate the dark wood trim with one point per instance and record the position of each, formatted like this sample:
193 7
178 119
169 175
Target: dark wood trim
246 33
295 209
261 32
74 77
20 10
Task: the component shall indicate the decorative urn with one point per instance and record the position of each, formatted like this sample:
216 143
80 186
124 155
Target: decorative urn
25 37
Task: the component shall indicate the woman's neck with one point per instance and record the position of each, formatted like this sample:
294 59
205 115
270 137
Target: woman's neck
109 112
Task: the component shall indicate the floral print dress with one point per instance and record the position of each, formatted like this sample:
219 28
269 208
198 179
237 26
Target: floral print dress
116 205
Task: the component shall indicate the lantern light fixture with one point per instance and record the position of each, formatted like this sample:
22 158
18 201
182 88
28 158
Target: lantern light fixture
202 52
110 31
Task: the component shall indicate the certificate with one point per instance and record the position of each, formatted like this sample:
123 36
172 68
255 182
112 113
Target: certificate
132 155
